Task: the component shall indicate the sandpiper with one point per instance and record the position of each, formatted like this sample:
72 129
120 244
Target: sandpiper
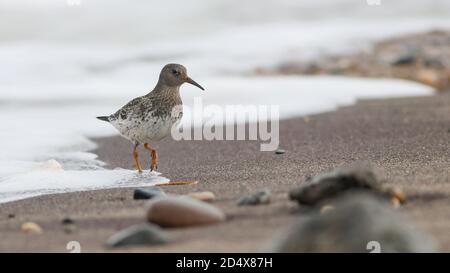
150 117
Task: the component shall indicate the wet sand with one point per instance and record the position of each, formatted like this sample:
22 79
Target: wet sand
407 140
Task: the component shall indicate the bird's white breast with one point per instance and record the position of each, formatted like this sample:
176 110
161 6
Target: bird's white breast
147 129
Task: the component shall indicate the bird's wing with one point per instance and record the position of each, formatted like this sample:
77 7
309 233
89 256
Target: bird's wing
137 107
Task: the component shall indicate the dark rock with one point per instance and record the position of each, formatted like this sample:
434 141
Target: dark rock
182 212
69 225
67 221
405 59
144 234
359 223
331 184
257 198
148 193
280 151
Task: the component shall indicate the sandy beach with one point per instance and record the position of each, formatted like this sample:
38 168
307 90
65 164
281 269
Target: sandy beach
406 139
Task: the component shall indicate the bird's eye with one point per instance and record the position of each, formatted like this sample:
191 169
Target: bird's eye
175 72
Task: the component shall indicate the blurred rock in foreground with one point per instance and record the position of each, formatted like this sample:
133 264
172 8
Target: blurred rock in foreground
144 234
359 223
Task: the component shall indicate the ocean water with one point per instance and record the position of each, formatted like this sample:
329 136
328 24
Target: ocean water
65 62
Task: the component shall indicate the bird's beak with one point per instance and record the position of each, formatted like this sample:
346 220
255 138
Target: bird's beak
191 81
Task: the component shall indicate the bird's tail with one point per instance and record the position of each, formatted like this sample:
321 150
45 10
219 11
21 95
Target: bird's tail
104 118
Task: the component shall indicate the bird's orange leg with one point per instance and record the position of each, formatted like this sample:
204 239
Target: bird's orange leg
136 158
154 156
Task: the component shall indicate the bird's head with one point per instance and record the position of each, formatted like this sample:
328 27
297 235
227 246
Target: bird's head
176 75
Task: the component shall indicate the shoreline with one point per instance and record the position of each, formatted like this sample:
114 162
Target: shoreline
406 139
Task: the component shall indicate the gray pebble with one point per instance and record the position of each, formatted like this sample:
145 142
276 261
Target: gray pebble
257 198
148 193
67 221
405 59
138 235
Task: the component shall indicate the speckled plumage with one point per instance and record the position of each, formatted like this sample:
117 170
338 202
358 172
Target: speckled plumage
151 117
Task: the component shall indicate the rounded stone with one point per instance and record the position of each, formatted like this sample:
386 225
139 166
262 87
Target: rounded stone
144 234
256 198
31 228
67 221
206 196
148 193
182 212
326 209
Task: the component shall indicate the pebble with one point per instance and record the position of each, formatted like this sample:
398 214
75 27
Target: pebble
329 185
280 151
67 221
356 220
69 225
257 198
326 209
405 59
148 193
143 234
206 196
31 228
182 212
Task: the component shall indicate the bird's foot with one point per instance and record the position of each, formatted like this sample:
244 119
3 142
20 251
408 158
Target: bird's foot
154 156
153 166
